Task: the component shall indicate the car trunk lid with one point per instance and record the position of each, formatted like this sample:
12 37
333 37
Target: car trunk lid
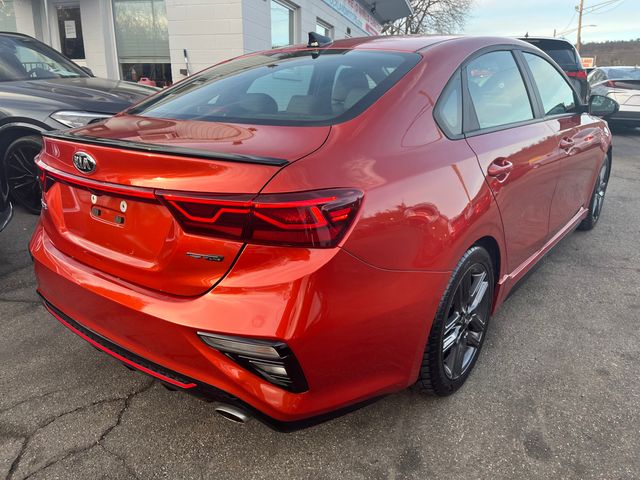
113 220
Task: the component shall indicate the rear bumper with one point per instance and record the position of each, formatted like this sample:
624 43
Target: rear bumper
175 380
629 114
357 331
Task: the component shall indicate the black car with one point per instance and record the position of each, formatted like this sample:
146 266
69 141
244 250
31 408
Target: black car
42 90
567 57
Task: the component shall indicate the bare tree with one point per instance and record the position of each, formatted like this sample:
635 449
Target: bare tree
431 16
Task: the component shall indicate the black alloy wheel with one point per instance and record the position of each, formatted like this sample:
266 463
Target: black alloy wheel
460 326
22 173
597 198
466 322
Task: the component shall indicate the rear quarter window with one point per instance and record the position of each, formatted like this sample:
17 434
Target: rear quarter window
448 111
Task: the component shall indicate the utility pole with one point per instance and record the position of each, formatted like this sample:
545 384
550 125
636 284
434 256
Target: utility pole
580 9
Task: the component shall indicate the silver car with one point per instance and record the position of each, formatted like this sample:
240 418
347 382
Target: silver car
622 84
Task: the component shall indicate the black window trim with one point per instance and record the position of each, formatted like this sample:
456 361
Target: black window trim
437 110
470 127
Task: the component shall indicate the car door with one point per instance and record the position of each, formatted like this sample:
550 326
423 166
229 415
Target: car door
577 140
514 147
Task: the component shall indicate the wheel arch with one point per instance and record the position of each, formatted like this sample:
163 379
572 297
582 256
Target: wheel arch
491 245
12 131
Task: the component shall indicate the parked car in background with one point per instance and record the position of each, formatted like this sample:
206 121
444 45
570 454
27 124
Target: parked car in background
6 209
623 85
565 54
296 231
41 90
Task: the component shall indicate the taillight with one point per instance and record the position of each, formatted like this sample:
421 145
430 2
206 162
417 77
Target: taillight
318 218
580 74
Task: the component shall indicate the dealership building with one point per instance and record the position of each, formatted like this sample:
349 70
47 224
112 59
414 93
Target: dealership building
164 40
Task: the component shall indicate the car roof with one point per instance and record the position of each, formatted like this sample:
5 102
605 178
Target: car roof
408 43
615 67
412 43
534 40
16 34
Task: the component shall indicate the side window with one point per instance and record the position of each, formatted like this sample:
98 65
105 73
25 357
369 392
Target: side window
449 107
497 90
556 94
596 77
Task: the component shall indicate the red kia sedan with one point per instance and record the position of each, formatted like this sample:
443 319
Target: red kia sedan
295 232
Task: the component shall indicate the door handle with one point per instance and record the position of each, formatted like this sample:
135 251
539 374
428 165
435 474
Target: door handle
567 143
500 167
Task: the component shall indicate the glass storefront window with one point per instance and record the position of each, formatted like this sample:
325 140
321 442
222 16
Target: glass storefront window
142 41
282 24
7 16
154 74
323 28
70 29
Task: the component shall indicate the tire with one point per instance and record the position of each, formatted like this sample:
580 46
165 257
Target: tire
597 197
459 329
21 172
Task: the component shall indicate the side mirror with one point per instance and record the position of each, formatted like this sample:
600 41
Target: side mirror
88 71
603 107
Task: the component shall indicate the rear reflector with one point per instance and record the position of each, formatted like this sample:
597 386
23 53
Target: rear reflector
318 218
273 361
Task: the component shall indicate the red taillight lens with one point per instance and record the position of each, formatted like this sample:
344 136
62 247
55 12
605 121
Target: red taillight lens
312 219
581 74
224 216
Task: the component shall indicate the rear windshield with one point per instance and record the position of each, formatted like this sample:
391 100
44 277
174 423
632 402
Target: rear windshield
565 58
624 73
562 53
283 88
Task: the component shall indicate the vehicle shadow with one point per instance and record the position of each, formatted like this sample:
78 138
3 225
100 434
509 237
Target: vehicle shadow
624 130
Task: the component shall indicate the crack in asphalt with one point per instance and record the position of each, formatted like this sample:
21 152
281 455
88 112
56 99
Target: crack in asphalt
122 460
127 401
29 399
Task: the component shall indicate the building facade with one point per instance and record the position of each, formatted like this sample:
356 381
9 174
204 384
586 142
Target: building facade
164 40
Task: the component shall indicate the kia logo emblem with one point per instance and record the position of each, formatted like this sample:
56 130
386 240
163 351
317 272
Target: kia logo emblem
84 162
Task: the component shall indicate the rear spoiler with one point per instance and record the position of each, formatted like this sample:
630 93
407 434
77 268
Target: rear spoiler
164 149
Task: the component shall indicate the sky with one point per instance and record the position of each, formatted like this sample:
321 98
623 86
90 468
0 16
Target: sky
618 21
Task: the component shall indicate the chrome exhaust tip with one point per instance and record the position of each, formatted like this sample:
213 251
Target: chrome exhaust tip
231 413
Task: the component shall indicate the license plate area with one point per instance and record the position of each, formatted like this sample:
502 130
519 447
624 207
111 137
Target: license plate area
110 210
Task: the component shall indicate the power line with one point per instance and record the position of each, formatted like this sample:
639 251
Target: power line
575 12
599 6
598 12
582 10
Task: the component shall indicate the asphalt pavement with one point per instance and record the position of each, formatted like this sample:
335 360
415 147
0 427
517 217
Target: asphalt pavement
555 393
